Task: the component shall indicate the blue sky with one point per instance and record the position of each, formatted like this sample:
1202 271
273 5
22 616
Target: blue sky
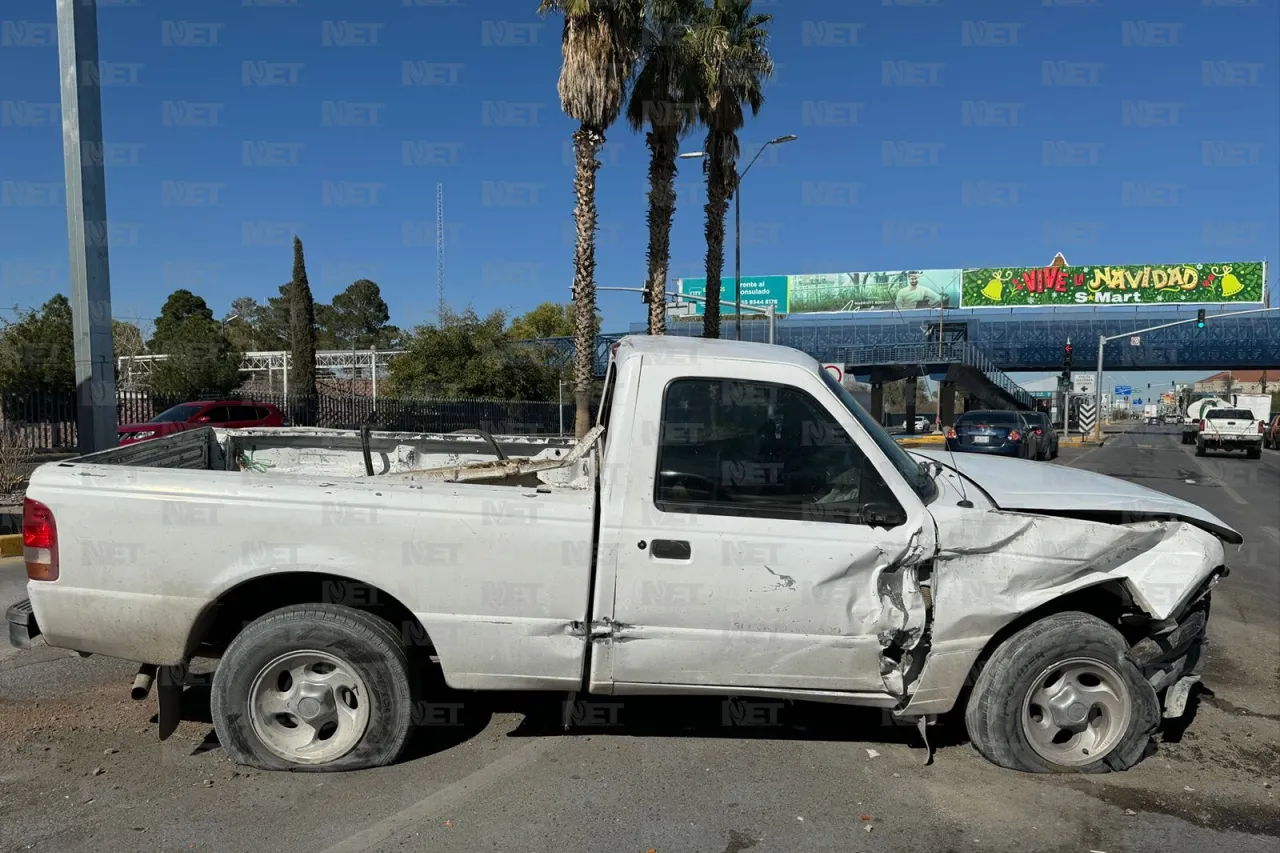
1137 132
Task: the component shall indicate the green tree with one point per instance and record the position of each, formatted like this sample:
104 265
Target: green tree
599 44
664 99
730 43
36 350
302 329
548 320
466 355
359 317
201 361
181 306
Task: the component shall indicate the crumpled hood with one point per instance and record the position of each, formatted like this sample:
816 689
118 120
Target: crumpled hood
1019 484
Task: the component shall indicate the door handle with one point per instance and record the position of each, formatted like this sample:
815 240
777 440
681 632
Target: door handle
671 549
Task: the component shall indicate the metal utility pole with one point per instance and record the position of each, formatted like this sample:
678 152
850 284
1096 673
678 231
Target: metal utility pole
87 224
1103 339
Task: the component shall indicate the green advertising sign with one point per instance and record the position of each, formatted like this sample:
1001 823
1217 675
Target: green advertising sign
1151 284
758 291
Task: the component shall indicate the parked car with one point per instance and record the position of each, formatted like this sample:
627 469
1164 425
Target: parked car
224 414
923 424
1063 612
998 432
1046 435
1272 436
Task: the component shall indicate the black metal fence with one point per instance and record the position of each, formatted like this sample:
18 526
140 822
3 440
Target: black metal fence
47 421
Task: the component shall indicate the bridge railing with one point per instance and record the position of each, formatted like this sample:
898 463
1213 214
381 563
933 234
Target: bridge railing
948 352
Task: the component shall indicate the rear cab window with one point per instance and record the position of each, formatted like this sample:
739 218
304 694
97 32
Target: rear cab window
1230 415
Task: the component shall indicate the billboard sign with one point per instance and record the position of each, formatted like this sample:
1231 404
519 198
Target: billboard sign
903 290
1151 284
758 291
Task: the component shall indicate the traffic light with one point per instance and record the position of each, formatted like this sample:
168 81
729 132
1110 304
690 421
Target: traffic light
1066 359
1200 319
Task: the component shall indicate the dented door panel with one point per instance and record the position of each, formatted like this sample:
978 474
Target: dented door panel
759 602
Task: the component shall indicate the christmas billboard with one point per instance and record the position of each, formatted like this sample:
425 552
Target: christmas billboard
1150 284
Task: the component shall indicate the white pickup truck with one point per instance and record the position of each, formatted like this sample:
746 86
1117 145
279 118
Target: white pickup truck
1230 429
734 525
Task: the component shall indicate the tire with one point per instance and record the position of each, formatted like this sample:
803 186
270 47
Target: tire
1199 448
1009 680
1255 453
357 644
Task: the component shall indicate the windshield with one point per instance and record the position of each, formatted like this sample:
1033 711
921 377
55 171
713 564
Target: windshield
987 418
915 472
178 413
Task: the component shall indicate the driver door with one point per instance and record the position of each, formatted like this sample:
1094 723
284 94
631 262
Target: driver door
756 528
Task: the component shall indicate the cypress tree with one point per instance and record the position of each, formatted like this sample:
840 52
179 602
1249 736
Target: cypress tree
302 337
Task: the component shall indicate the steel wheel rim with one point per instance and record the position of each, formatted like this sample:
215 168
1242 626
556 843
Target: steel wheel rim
1076 712
309 707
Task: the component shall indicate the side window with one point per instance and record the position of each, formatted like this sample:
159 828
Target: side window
217 415
758 449
244 413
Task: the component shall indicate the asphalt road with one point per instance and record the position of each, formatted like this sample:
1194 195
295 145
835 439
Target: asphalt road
669 774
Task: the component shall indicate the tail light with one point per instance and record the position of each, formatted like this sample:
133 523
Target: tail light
1014 435
39 541
1203 426
1261 427
951 433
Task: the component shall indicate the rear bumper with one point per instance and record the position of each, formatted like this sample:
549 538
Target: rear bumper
22 624
989 450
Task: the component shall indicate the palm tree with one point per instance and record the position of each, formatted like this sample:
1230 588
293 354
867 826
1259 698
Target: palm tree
664 99
599 44
730 43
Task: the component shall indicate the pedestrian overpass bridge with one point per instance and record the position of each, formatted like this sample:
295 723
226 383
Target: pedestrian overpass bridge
974 351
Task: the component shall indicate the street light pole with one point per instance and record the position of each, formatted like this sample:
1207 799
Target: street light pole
737 225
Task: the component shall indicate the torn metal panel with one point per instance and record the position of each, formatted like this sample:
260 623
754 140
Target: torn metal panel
991 571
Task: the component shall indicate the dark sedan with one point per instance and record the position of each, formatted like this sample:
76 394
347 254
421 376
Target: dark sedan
1046 435
1000 433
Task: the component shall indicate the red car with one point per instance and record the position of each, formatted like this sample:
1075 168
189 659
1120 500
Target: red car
228 414
1271 434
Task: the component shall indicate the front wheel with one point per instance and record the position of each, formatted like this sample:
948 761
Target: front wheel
314 687
1060 696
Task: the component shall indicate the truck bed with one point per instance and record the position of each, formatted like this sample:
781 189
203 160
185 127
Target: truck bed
150 534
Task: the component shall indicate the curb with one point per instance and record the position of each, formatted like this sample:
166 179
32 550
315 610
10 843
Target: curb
11 545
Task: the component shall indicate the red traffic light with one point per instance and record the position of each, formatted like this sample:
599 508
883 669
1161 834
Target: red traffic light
1067 349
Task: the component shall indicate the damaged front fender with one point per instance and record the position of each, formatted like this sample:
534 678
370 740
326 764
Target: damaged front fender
991 571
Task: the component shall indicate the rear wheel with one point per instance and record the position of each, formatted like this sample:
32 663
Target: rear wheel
314 687
1060 696
1199 448
1255 452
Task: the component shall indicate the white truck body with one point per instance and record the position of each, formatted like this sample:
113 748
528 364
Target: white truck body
596 566
1259 404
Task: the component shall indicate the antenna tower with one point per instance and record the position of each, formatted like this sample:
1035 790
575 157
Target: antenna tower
441 307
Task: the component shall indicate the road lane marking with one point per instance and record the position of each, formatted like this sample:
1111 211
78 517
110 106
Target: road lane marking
1226 487
372 837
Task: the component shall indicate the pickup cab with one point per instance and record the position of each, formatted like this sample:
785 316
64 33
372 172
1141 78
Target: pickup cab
735 524
1230 429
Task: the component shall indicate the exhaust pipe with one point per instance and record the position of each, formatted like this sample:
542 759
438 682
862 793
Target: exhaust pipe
142 682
